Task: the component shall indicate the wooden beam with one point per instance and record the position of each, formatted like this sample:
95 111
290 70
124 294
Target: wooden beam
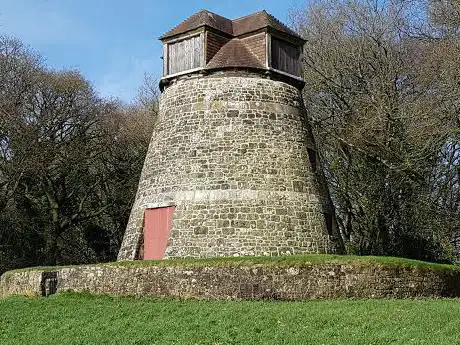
285 73
204 58
191 34
268 50
165 59
182 73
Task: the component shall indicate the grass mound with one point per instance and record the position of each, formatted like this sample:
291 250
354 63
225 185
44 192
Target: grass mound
278 261
288 261
85 319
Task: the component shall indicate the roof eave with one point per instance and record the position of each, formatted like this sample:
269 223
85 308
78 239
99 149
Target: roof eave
167 37
293 38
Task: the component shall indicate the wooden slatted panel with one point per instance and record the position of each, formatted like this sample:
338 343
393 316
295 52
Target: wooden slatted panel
157 227
185 55
285 56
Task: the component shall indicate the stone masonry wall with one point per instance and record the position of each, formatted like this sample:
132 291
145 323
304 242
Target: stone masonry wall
230 152
26 283
250 281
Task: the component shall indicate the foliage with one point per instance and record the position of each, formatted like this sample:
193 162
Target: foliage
84 319
69 164
382 94
382 91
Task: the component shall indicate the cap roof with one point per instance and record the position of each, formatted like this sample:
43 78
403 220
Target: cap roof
259 20
236 27
235 53
199 19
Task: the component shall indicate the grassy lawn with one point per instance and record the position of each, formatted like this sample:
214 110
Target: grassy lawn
86 319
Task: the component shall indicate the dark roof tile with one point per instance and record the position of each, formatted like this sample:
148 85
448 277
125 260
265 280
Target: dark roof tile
200 19
258 21
236 27
235 53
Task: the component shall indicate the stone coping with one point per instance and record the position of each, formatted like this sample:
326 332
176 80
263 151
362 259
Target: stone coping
293 278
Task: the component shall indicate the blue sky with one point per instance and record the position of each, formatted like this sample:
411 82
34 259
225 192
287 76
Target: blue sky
113 42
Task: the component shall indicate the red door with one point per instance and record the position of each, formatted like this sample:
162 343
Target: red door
157 226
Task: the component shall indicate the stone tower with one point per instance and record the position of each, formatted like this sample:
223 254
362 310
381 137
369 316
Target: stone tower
228 170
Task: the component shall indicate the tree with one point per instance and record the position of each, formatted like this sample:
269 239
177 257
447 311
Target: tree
382 116
69 164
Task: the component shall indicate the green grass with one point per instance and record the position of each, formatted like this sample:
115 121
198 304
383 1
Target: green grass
279 261
85 319
291 260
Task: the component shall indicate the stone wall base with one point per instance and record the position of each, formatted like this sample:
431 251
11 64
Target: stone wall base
237 281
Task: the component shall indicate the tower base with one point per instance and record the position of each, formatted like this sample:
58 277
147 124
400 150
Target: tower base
230 154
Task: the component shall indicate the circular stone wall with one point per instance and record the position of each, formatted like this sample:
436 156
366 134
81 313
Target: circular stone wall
230 152
241 279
